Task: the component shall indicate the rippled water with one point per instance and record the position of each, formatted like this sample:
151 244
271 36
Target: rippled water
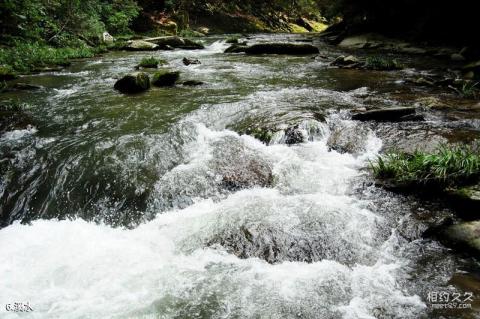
129 210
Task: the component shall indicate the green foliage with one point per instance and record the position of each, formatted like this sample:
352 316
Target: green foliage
382 63
26 57
469 90
150 62
448 166
62 22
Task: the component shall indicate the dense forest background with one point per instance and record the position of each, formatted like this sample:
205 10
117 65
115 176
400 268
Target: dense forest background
31 28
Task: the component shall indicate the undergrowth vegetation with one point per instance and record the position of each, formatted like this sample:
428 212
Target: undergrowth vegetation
446 167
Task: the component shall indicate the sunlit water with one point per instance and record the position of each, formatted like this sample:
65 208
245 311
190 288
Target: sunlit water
129 215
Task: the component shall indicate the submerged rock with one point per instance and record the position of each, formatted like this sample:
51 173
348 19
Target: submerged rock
25 86
465 236
282 48
236 48
165 78
348 137
12 117
188 61
193 83
239 167
394 114
140 45
133 83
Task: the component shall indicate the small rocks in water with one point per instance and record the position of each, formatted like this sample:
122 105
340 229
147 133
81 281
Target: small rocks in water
133 83
188 61
140 45
165 78
193 83
394 114
465 236
282 48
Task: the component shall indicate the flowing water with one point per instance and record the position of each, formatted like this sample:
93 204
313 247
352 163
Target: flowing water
157 206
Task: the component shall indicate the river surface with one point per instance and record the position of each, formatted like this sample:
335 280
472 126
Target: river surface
158 205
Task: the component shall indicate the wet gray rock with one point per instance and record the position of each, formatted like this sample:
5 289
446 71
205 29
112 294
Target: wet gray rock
348 137
394 114
346 62
282 48
238 167
140 45
133 83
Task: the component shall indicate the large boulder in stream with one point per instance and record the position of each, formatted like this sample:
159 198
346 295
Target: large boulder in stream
282 48
140 45
165 78
133 83
175 42
393 114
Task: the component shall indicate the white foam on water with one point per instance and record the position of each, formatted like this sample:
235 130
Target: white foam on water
164 269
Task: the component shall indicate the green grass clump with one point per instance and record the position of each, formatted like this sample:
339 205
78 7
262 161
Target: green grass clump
382 63
150 62
469 90
26 57
447 167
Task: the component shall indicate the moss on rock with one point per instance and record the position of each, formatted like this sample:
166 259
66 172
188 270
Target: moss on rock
165 78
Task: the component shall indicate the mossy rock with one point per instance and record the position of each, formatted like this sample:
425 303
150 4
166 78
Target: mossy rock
6 73
165 78
236 48
232 40
133 83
